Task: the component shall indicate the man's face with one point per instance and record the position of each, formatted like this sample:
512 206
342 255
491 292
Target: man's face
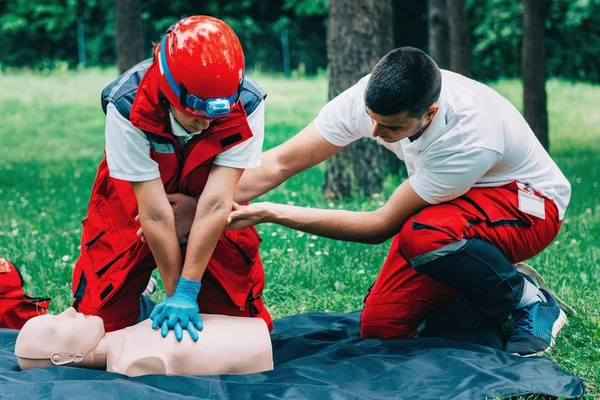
392 128
189 123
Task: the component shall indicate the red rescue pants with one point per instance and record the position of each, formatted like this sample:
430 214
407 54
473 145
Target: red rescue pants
401 297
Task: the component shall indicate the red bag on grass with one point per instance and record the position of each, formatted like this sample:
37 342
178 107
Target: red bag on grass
15 306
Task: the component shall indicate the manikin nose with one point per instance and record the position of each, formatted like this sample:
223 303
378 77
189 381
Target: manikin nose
70 312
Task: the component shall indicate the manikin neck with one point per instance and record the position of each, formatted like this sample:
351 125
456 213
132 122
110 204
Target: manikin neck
96 358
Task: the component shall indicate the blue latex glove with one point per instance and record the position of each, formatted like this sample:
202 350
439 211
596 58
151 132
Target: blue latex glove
179 311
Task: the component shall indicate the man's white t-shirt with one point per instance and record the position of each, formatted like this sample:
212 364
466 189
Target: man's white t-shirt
476 139
128 148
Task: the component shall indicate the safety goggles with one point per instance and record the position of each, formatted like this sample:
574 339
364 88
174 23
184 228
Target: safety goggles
209 108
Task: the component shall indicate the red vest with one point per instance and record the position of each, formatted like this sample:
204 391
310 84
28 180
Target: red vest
110 248
15 306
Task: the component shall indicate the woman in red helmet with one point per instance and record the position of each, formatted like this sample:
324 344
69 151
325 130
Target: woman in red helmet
186 122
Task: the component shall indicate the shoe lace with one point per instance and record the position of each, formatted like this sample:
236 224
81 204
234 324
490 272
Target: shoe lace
523 319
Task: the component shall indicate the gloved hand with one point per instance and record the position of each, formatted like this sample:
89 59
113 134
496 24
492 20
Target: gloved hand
179 311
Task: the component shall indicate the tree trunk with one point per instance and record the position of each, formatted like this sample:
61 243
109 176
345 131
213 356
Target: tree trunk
128 32
359 34
533 69
439 43
460 43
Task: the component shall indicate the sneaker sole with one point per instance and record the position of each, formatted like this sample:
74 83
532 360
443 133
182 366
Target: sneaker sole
537 279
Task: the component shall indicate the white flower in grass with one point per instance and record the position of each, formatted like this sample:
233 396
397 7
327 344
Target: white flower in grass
65 258
361 271
300 234
15 232
13 223
33 233
294 194
289 250
311 245
273 233
318 253
326 253
331 205
11 203
314 237
43 214
578 180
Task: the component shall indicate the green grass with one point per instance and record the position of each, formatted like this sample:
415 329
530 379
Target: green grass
52 140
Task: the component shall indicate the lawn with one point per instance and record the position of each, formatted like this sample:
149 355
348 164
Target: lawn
52 135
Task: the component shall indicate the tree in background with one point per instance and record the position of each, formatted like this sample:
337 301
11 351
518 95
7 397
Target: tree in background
439 45
533 69
128 32
358 35
460 43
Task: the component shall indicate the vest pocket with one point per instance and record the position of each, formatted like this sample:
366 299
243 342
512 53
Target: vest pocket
101 240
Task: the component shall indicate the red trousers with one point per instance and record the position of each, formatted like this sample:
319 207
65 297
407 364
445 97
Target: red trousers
401 298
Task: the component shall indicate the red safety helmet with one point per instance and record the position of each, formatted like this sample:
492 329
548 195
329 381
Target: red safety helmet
202 66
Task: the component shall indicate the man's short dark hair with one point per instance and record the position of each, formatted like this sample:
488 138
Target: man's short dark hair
404 80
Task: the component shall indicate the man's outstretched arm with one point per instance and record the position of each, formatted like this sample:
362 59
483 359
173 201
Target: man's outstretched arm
366 227
303 151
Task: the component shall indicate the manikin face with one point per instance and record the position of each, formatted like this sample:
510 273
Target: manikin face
189 123
392 128
67 332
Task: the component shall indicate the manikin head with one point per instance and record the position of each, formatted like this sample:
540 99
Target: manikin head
63 339
401 94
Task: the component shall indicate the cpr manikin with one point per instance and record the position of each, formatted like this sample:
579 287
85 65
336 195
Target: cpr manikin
227 345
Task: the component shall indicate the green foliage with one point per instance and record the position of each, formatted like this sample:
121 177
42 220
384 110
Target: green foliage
52 140
572 38
42 34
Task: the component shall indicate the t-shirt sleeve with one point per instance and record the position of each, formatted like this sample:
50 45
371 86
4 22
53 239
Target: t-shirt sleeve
445 177
343 119
248 153
127 150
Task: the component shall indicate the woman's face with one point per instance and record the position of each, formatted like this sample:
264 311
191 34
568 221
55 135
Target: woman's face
190 124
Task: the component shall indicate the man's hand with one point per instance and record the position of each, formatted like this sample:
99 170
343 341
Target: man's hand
179 311
245 216
184 210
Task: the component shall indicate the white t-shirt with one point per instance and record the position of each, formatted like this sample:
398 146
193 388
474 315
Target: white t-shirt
476 139
128 148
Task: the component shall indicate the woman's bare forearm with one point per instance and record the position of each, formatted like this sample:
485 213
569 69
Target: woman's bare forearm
208 225
162 239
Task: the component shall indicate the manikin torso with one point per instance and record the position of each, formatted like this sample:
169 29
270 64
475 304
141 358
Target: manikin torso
221 349
226 345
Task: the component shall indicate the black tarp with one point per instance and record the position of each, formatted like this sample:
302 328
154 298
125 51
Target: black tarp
317 356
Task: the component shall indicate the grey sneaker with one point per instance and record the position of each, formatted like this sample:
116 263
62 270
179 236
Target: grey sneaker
151 288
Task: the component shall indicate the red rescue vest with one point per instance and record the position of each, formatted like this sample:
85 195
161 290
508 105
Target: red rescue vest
110 248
